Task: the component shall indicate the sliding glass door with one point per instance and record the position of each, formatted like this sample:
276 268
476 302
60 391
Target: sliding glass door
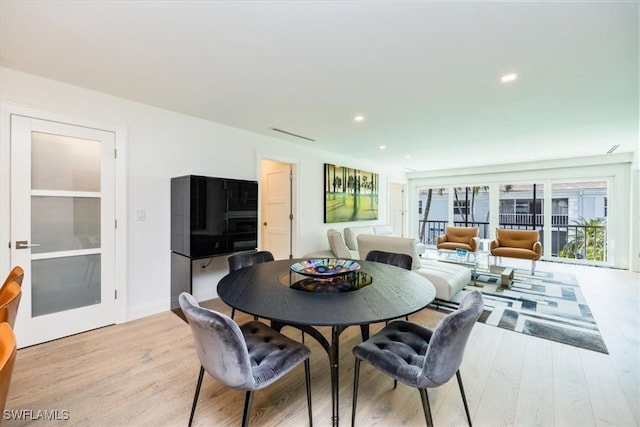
571 217
459 206
471 208
433 211
522 207
579 220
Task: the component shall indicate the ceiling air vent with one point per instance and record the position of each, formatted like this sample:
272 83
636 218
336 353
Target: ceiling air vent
614 148
292 134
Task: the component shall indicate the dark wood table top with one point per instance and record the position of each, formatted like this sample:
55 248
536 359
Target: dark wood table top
263 290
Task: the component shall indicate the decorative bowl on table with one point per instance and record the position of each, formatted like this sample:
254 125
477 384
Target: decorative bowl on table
325 267
334 284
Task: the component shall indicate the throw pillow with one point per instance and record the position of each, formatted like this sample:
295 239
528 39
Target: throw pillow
336 243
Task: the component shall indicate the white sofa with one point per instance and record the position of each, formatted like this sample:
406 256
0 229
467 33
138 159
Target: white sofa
448 279
347 247
351 235
337 248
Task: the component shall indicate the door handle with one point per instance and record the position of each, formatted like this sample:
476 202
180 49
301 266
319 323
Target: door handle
23 244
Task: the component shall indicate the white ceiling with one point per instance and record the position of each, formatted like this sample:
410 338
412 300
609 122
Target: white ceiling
424 74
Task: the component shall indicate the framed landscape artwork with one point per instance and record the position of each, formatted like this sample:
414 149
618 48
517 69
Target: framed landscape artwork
349 194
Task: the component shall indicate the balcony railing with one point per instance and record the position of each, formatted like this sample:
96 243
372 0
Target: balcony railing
517 218
585 242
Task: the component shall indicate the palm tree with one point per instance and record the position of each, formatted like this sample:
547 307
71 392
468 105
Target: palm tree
589 240
423 226
474 192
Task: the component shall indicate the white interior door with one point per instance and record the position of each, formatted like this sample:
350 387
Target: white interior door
277 208
62 227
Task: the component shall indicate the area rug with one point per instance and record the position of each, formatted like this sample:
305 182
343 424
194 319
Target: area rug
547 305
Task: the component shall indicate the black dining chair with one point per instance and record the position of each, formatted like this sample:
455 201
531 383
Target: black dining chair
399 260
247 259
242 260
420 357
248 357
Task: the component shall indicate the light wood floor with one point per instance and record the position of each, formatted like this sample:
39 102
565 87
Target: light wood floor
143 373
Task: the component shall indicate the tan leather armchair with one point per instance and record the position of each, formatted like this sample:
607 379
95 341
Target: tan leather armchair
459 238
9 302
524 244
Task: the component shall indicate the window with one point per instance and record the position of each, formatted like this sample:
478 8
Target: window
433 213
551 200
580 220
461 209
521 206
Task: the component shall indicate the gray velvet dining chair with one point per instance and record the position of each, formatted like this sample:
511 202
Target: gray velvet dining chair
420 357
247 259
248 357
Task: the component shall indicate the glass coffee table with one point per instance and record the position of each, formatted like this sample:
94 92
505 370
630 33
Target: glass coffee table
469 259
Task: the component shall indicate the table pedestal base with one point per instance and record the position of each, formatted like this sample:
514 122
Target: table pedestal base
333 351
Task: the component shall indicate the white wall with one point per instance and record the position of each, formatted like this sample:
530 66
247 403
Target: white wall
161 144
634 246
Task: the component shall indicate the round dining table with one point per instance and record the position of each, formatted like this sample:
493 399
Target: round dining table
375 292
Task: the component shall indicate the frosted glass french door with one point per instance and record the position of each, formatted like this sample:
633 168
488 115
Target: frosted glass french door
62 227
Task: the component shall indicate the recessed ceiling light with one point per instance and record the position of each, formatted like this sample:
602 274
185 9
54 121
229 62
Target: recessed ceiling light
383 147
358 118
407 156
509 77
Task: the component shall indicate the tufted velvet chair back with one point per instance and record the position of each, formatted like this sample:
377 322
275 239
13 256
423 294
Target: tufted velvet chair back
242 260
248 357
449 339
238 261
219 343
399 260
